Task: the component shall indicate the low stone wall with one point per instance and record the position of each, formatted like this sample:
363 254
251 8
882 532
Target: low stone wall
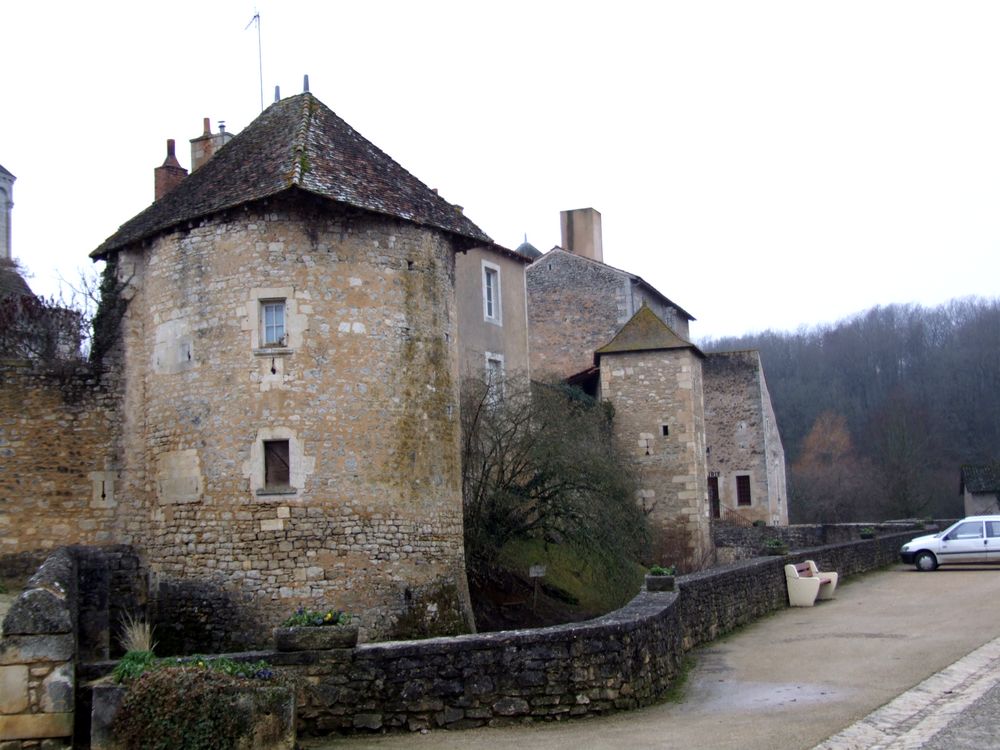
37 656
70 611
623 660
745 542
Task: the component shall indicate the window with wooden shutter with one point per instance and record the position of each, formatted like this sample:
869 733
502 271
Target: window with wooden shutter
276 465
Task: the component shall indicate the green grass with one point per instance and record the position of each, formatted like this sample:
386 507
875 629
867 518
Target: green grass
579 573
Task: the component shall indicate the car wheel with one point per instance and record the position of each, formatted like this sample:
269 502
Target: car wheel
925 561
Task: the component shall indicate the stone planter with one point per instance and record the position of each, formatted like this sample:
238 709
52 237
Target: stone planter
319 638
779 550
659 583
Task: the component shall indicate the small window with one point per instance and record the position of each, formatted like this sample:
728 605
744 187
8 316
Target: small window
664 430
276 466
491 293
272 323
495 376
743 490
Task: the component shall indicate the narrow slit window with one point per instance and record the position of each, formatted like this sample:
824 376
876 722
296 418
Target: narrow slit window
272 314
664 430
277 471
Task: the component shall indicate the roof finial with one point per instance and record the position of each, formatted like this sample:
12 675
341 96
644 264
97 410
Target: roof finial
305 84
277 93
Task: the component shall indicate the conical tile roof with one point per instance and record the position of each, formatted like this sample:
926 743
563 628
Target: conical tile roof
297 143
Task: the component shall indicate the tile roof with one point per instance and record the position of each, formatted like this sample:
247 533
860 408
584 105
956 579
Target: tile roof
298 143
645 332
981 478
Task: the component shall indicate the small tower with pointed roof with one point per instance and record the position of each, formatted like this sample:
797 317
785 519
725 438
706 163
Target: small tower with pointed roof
653 378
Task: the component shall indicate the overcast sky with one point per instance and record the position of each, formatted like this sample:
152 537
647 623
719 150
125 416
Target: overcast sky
763 164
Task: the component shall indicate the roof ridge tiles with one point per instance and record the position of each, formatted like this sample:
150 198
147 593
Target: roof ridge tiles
330 159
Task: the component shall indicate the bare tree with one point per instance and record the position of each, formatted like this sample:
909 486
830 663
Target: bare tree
540 459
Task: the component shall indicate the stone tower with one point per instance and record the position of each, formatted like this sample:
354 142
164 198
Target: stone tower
6 207
653 378
290 432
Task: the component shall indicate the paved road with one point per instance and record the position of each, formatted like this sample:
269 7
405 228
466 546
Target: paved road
801 676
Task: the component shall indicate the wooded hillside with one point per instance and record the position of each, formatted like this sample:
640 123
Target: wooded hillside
878 412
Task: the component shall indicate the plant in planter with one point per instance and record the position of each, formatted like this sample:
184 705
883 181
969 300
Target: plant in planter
309 630
660 578
867 532
760 522
775 547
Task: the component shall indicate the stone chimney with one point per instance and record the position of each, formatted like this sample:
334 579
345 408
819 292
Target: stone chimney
204 146
169 175
581 233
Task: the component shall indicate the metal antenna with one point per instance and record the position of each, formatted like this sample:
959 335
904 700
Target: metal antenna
260 59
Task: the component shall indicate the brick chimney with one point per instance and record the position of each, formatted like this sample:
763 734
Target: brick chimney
204 146
169 175
581 233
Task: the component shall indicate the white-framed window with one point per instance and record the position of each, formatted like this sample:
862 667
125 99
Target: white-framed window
495 376
272 323
491 293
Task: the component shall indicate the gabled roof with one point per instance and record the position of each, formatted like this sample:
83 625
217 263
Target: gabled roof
4 171
981 478
631 276
645 332
298 143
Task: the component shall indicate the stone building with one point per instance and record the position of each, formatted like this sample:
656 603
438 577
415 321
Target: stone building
653 378
979 486
577 303
491 300
6 207
702 426
746 461
280 402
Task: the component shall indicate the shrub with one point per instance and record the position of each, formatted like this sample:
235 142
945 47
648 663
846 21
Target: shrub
136 635
136 663
309 618
189 708
132 665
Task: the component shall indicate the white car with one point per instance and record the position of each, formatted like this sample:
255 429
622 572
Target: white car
975 539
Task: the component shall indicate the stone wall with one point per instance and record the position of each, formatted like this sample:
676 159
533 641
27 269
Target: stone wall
577 305
623 660
654 393
58 485
37 658
744 542
70 611
363 389
742 436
